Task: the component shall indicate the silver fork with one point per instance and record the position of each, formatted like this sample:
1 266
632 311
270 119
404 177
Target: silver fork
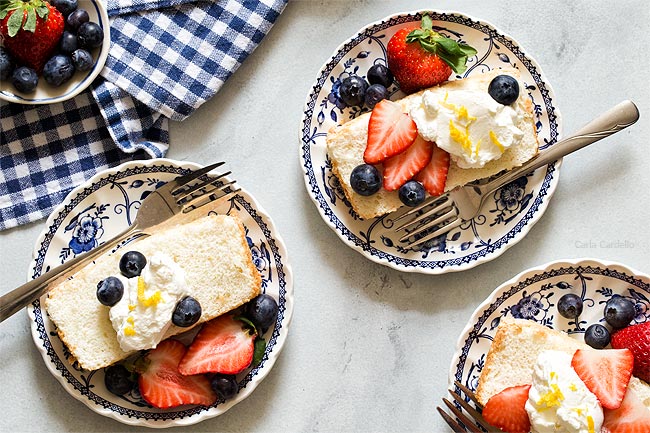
176 197
445 212
464 423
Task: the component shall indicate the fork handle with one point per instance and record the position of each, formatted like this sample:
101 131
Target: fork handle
610 122
22 296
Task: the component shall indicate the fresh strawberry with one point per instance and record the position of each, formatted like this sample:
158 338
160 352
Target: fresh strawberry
402 167
30 30
420 57
434 175
637 339
631 417
223 345
606 373
507 410
390 131
162 386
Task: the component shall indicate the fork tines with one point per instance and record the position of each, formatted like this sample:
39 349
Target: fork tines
438 213
467 418
207 189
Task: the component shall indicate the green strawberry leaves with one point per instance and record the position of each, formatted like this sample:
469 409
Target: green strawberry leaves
453 53
19 19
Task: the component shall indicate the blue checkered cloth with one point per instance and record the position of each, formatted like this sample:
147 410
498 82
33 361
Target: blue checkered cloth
167 57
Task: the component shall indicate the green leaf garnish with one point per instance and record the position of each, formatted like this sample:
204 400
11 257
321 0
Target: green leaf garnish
258 352
453 53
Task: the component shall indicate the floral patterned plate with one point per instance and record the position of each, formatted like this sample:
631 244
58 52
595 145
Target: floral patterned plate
102 207
505 218
534 294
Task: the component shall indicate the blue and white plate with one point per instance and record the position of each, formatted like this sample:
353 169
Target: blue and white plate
506 216
47 94
533 295
104 206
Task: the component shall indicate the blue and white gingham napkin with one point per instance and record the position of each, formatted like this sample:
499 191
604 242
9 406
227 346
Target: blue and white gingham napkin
167 57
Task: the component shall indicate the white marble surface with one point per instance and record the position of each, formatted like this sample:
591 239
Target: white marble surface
369 347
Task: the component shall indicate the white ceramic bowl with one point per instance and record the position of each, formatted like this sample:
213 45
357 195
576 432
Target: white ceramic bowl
47 94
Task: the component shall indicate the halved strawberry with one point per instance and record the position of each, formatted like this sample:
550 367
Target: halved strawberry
402 167
223 345
162 386
434 175
631 417
507 410
606 373
390 131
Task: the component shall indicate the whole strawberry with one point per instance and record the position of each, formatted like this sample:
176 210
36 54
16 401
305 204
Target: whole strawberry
637 339
30 30
420 57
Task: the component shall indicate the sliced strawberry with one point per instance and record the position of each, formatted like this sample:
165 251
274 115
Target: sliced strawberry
403 166
221 346
162 386
390 131
605 372
631 417
507 410
434 175
637 339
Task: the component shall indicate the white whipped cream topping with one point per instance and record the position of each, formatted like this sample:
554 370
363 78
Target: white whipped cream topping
558 401
468 123
141 320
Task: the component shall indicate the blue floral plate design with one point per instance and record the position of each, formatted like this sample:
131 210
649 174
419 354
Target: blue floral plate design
102 207
506 217
533 295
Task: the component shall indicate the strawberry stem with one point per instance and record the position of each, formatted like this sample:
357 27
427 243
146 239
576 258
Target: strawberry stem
24 14
455 54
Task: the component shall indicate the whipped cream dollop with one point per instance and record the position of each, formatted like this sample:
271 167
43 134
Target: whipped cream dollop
144 313
558 400
468 123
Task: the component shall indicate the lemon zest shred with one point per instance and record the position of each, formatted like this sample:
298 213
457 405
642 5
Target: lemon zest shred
151 300
129 331
461 137
496 141
552 398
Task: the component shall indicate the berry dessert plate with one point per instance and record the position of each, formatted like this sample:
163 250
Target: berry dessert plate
48 94
507 215
534 295
99 209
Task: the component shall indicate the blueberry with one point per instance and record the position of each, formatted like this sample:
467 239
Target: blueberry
569 306
68 42
380 74
58 70
262 311
504 89
353 90
187 312
24 79
82 60
90 35
374 94
132 263
118 379
66 7
6 64
619 311
597 336
411 193
77 18
225 385
365 179
110 291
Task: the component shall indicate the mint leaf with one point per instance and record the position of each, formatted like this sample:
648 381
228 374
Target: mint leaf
258 353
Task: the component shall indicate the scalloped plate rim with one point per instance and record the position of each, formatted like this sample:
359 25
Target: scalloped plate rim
391 263
521 276
201 416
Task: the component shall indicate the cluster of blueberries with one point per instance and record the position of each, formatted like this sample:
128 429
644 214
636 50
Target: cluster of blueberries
356 91
73 54
618 313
